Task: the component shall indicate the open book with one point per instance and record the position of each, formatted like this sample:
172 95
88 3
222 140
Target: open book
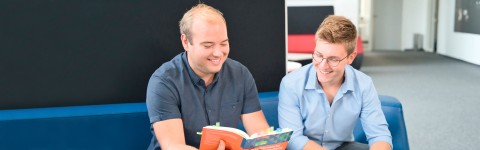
236 139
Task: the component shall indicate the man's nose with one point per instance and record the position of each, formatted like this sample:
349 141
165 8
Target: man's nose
217 51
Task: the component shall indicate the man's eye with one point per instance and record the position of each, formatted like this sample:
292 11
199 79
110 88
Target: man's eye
207 46
333 60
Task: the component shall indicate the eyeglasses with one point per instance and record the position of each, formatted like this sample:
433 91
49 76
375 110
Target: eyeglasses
332 62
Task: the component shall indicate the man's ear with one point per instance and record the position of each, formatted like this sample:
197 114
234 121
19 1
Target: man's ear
184 40
352 57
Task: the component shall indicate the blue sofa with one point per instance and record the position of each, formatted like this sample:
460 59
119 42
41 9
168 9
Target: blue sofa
391 107
126 126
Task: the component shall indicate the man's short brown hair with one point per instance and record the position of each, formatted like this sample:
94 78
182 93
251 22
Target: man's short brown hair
338 29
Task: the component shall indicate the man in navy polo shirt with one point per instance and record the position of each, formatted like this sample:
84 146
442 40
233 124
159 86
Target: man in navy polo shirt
201 86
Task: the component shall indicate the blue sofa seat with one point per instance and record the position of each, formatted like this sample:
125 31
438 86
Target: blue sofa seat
111 126
127 127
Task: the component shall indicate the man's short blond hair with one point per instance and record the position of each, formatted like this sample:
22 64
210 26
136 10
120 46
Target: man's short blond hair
338 30
198 11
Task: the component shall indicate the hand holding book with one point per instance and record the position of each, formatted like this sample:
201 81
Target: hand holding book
236 139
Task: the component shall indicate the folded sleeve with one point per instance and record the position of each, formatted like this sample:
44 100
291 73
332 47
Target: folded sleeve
372 118
162 103
289 116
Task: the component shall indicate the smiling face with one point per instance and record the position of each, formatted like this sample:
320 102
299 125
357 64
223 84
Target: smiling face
326 73
208 48
336 38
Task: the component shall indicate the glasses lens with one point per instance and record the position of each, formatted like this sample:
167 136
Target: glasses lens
332 63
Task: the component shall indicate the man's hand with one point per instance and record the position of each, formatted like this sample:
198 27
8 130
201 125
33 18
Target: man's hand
221 146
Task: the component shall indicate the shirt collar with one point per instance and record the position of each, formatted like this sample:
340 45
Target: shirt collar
349 80
193 76
312 81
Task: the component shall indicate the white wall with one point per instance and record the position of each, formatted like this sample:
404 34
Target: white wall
365 24
349 9
387 25
463 46
416 19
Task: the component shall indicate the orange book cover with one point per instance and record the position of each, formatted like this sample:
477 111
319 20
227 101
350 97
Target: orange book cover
236 139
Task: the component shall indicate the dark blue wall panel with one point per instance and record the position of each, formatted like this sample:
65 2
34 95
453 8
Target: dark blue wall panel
75 52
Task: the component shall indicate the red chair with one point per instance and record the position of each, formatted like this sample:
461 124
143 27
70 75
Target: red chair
305 44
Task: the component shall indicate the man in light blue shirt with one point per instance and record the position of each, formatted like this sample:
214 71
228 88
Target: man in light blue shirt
322 101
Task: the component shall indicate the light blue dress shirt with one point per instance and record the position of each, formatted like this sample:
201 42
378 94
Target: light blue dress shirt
304 108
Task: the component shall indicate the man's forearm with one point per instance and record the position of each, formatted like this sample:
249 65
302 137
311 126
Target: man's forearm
181 147
312 145
380 146
254 122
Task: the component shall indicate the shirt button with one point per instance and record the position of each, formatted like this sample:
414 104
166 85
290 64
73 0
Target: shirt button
209 111
326 131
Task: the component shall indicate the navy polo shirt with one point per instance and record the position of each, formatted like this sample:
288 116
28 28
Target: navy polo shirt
175 91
